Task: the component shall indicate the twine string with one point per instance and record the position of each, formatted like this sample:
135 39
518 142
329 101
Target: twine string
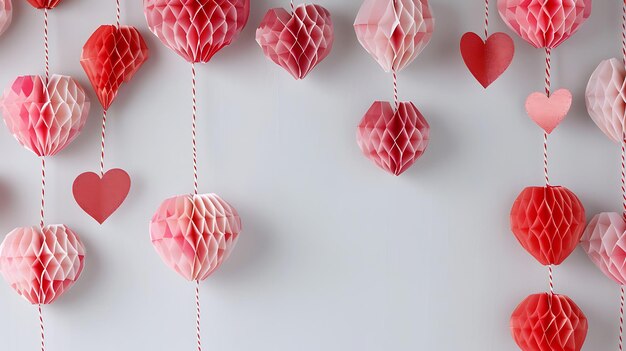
43 193
548 84
487 19
102 144
118 13
293 7
41 328
193 129
621 319
551 279
395 90
46 45
198 337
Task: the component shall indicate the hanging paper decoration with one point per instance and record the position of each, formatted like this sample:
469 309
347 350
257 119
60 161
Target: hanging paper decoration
6 13
604 239
296 41
110 58
45 114
194 233
548 221
487 59
44 4
394 32
549 322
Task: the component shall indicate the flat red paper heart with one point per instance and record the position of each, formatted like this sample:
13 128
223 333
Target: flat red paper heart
549 112
487 60
100 197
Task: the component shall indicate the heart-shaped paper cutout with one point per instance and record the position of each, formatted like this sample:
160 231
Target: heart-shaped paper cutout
604 240
393 139
549 112
45 118
296 41
39 264
101 197
112 56
487 60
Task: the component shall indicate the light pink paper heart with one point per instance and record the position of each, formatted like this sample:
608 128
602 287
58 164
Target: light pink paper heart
297 41
39 264
549 112
45 118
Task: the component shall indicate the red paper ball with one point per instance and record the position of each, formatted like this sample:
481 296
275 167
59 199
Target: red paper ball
549 322
548 222
44 4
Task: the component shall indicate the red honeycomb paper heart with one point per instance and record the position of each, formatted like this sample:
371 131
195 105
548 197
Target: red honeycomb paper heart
112 56
44 4
42 265
194 234
393 140
487 60
296 41
604 240
45 118
544 23
99 196
196 30
548 222
549 322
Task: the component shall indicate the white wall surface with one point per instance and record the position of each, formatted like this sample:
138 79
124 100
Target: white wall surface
335 254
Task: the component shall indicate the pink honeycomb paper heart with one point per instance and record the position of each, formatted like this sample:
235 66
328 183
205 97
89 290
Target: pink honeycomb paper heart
198 29
42 265
393 140
606 100
604 240
194 234
6 13
296 41
544 23
394 32
111 57
45 118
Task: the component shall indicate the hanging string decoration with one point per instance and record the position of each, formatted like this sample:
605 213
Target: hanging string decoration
195 233
111 57
489 57
394 32
604 239
45 114
548 221
296 41
6 14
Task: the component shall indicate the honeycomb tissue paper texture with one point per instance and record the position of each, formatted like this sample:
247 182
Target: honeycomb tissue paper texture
604 240
45 118
6 14
605 98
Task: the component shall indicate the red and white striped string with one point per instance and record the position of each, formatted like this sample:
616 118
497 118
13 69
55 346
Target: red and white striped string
548 84
43 193
46 46
198 315
102 143
623 174
486 19
395 90
41 329
293 7
193 129
118 13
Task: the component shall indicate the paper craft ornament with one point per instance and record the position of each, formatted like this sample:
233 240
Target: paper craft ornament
297 41
42 264
605 98
487 60
99 196
394 32
44 4
393 139
549 322
45 118
548 222
194 234
544 23
111 57
198 29
6 13
549 112
604 241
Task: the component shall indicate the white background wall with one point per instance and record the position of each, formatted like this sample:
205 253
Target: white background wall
335 254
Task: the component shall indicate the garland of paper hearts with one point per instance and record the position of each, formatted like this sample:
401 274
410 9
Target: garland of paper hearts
548 221
6 13
394 32
45 114
297 41
110 58
487 59
604 239
195 233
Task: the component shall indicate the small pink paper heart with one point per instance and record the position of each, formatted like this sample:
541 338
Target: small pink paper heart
101 197
549 112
